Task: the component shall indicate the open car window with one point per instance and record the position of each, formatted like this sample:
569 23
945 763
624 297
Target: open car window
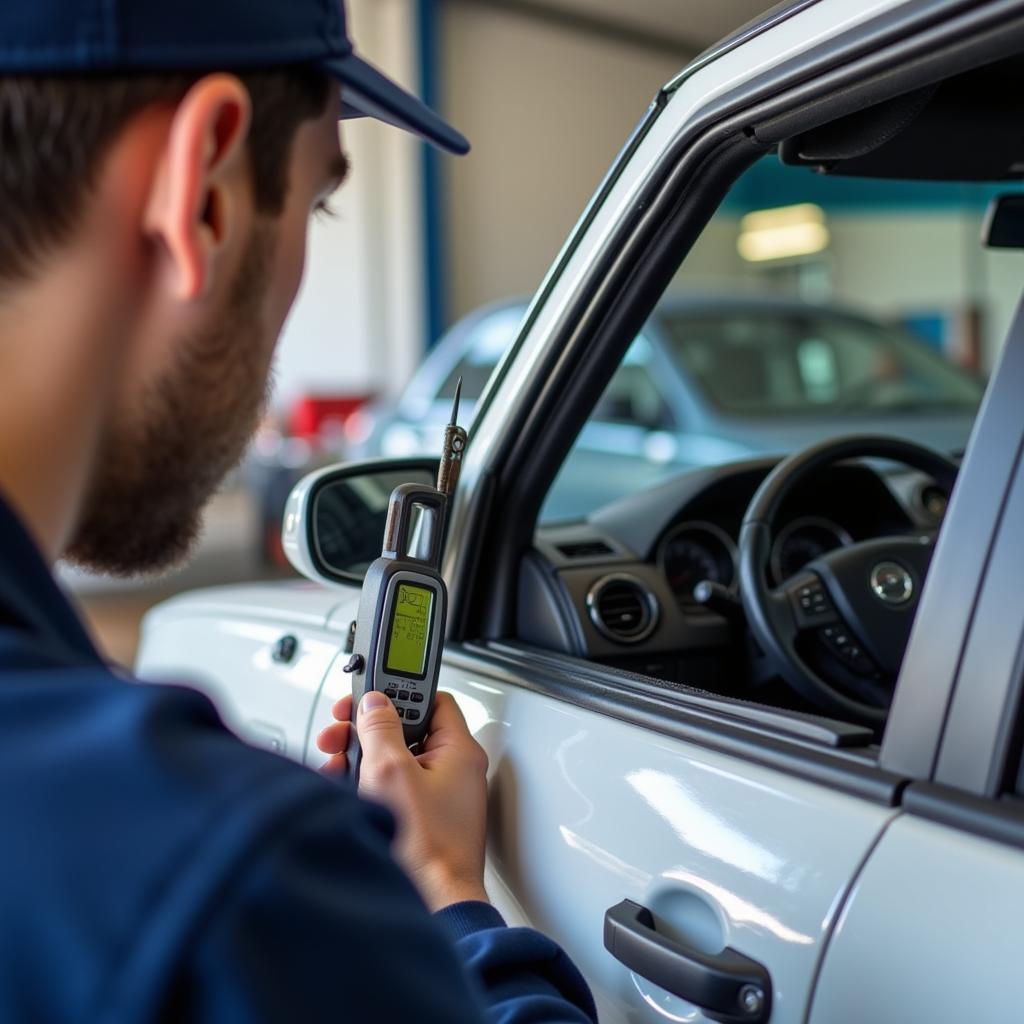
813 307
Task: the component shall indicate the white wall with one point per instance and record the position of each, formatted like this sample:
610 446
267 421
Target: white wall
358 322
891 264
547 110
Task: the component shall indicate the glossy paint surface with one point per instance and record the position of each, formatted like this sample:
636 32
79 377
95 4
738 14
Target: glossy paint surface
223 642
931 933
586 811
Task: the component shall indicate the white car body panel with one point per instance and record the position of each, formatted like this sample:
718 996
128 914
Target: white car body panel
932 932
221 642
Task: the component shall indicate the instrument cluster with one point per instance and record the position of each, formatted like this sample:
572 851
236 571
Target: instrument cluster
694 551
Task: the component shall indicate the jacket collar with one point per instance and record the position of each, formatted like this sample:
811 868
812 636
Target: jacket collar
30 599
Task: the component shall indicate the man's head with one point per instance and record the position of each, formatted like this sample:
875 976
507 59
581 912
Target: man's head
201 187
151 243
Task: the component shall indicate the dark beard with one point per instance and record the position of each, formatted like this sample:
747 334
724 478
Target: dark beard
159 466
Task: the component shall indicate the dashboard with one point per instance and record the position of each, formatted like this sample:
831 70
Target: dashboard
618 588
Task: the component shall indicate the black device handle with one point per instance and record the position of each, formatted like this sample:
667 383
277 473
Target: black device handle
404 500
727 986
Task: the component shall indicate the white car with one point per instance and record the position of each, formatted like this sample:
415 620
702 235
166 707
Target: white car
796 795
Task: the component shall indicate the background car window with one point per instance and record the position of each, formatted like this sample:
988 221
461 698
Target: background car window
811 307
807 363
633 396
489 339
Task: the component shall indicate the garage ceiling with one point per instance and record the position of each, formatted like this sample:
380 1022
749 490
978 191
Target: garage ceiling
702 21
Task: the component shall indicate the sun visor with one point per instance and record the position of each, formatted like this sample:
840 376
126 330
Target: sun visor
967 128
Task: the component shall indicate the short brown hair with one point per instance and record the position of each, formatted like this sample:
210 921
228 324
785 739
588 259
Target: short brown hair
55 131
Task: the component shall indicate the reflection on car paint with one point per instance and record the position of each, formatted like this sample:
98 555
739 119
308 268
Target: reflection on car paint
686 812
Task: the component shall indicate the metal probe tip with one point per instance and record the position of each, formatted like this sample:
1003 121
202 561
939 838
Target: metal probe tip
455 407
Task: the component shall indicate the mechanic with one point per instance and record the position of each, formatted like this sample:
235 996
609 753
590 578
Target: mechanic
158 165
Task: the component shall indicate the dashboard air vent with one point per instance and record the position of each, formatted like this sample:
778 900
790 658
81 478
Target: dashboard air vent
585 549
622 608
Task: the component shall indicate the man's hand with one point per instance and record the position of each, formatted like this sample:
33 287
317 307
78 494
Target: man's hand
439 797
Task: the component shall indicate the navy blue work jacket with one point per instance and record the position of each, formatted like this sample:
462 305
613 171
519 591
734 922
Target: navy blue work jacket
155 868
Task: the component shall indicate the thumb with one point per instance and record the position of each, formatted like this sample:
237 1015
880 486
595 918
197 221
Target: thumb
380 735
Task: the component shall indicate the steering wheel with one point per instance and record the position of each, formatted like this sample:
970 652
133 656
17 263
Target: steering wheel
836 632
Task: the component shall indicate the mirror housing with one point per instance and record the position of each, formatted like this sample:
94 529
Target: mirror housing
333 525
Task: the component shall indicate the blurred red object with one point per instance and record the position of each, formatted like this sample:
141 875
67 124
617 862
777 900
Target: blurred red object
312 417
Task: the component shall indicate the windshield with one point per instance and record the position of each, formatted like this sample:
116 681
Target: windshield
792 362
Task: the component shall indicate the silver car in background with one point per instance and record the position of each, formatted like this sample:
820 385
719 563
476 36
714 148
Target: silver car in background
710 379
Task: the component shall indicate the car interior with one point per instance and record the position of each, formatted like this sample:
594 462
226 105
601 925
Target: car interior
792 584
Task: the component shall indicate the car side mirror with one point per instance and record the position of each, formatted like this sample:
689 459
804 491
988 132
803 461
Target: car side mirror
334 519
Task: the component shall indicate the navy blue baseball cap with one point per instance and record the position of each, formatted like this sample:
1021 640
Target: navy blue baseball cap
60 36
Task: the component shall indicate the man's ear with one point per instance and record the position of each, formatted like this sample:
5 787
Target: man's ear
202 186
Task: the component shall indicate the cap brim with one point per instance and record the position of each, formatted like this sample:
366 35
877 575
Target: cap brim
369 93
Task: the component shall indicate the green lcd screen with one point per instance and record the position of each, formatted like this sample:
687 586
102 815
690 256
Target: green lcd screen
410 628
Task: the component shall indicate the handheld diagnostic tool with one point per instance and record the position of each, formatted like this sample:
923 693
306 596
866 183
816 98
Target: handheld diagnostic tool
404 602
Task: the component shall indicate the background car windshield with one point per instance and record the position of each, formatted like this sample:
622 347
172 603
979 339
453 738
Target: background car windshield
809 363
810 307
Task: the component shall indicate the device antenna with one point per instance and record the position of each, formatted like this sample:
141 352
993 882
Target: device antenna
453 450
455 406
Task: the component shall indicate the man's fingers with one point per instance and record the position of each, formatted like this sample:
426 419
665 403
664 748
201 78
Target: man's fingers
447 725
334 738
381 736
342 709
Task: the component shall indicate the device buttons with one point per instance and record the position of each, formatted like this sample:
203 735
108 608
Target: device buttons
416 698
403 695
391 694
411 714
401 712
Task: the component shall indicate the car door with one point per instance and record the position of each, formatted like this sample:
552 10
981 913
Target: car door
931 930
693 859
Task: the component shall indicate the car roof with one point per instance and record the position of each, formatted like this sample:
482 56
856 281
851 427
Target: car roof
755 27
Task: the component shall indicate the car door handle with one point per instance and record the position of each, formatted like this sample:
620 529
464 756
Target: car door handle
727 986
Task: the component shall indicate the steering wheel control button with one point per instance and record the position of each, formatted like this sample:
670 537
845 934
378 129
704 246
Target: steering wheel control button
838 640
812 605
891 583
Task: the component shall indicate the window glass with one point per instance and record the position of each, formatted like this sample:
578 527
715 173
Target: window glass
633 396
811 307
797 362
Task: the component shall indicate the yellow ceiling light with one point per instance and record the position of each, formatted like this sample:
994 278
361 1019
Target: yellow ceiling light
783 233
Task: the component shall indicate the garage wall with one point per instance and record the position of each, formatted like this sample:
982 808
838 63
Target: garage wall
547 109
932 261
358 323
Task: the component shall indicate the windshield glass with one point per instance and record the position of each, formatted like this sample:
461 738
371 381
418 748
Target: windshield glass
786 361
811 307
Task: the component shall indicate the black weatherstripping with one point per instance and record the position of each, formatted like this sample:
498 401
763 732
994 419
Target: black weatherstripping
999 820
727 986
683 714
820 731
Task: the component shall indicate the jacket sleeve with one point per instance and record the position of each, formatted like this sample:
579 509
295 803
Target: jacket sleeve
525 977
320 923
